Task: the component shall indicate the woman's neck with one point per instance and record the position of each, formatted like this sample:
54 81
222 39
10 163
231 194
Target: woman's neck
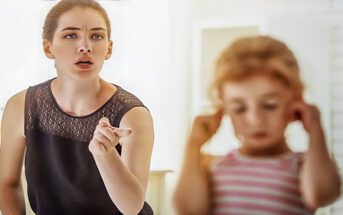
79 98
276 149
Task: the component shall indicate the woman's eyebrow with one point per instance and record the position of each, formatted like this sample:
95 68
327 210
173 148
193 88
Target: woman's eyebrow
98 28
75 28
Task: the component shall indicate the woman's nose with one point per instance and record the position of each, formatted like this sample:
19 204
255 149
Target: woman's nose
85 49
84 46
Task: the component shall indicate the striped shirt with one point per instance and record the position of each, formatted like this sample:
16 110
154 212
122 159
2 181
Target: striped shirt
253 186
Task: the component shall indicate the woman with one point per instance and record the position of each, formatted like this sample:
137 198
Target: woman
69 127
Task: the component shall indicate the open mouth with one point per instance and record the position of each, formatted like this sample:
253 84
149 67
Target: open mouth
84 62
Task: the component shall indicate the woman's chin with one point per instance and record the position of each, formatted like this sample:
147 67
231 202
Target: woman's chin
85 75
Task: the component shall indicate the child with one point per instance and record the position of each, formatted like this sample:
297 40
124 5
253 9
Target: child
257 82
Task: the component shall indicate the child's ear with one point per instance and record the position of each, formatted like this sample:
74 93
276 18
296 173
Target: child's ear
47 49
293 113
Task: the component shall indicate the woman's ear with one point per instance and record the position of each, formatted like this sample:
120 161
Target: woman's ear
109 50
47 49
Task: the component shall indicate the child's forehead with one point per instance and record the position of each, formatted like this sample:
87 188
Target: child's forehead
259 86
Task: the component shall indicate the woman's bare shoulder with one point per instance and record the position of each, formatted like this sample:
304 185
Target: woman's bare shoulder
16 103
13 116
18 98
12 139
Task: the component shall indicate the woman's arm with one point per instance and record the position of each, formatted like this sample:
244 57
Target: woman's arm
192 193
126 176
12 151
320 182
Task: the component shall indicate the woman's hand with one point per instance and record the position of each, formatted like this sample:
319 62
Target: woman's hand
204 127
309 115
106 137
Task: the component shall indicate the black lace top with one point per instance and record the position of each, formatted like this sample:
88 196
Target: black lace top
61 174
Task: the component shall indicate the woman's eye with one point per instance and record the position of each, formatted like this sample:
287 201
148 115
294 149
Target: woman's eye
70 36
269 106
97 37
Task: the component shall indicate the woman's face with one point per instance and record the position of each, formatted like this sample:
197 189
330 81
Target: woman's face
80 44
259 109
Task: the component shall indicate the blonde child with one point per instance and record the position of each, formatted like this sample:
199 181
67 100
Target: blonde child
257 82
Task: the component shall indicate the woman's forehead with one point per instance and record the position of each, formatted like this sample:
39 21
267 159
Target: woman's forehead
81 18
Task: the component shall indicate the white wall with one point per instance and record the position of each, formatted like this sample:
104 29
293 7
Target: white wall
337 92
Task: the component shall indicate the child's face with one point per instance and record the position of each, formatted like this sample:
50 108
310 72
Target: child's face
258 107
80 32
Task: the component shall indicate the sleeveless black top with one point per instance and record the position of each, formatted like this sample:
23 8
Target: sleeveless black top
61 173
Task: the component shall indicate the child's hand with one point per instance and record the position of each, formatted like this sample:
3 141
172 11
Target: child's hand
204 127
308 114
106 137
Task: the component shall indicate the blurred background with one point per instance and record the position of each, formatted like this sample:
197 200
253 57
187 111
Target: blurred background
164 53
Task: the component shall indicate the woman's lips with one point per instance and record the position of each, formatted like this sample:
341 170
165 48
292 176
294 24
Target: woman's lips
84 66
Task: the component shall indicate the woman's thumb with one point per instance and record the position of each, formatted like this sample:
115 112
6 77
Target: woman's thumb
104 121
122 132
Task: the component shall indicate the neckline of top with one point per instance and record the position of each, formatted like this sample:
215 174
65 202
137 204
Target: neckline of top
285 155
85 116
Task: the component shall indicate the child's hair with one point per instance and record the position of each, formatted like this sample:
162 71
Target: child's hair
256 55
63 6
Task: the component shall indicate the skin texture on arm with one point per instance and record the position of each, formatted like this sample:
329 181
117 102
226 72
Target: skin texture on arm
125 176
192 193
12 151
320 183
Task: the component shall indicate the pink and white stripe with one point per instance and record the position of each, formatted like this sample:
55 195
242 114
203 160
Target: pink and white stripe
249 186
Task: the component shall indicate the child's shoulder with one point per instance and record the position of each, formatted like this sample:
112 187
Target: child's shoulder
210 160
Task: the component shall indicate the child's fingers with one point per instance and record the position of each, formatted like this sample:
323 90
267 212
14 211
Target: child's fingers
212 122
308 114
221 112
209 124
204 127
219 115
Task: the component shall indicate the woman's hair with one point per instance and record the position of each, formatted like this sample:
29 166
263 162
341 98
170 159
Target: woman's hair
63 6
256 55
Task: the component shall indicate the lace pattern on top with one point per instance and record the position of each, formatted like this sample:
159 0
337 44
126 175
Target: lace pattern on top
42 112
